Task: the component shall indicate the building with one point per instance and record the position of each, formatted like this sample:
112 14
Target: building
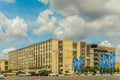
96 52
117 65
41 55
56 55
3 65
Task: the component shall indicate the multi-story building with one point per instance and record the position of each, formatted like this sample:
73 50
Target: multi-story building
117 65
56 55
3 65
94 52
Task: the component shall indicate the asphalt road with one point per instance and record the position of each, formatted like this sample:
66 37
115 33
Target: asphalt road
65 78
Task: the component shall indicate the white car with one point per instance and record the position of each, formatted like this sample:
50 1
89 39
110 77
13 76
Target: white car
24 74
2 76
53 74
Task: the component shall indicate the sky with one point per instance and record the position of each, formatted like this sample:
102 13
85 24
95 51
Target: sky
25 22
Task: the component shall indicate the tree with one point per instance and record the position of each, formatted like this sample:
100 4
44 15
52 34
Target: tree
107 70
101 71
112 70
115 70
85 70
94 71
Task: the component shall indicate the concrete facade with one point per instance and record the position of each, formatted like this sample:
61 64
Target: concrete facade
56 55
117 65
95 52
3 65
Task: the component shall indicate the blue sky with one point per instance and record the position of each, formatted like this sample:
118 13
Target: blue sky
24 22
29 10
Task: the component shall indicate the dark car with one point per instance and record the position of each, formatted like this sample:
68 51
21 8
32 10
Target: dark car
34 74
44 73
19 73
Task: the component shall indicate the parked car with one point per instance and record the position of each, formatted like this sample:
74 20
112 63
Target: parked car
61 74
53 74
44 73
34 74
23 74
2 76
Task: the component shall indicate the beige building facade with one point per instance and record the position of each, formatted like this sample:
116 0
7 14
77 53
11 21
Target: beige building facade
3 65
94 52
56 55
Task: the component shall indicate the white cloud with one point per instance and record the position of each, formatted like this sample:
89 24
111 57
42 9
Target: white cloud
77 27
8 1
44 1
46 21
72 27
86 8
3 19
15 28
82 19
118 53
106 43
4 53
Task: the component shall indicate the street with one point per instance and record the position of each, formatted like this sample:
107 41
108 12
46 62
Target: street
64 78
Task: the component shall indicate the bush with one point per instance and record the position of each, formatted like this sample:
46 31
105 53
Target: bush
85 71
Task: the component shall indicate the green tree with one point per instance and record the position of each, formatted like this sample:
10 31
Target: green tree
85 70
94 71
112 70
117 70
101 71
107 70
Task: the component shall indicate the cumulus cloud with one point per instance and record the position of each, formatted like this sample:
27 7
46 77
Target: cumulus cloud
3 19
15 28
4 53
82 19
72 27
106 43
3 37
77 27
86 8
8 1
118 53
44 1
46 22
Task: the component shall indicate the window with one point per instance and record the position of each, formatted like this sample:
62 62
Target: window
6 62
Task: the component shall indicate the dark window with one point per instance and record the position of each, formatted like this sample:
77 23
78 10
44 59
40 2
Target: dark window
94 45
6 62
